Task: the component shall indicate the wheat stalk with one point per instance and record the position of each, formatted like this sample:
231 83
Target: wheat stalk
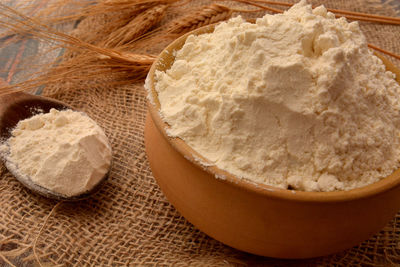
75 10
87 67
206 15
110 22
95 62
25 25
115 19
199 17
136 27
130 58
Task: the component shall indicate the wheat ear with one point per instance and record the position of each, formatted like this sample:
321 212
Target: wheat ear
136 27
204 16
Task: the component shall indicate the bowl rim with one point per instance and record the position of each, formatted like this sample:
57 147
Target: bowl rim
379 187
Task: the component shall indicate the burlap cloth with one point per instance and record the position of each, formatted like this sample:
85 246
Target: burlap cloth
129 221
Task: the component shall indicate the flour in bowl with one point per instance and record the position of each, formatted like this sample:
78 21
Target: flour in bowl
295 100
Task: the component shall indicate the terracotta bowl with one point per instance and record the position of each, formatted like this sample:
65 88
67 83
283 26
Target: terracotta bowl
257 218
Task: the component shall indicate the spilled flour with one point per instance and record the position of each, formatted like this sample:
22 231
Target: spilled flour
295 100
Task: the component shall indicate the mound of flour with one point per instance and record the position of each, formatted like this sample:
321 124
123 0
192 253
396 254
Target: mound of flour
63 151
295 100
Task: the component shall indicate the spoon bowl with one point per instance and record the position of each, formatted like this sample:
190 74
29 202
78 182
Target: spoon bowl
19 106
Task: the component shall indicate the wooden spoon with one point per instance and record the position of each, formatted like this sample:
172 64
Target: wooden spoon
19 106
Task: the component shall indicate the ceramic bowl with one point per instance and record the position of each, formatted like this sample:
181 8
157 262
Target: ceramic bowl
258 218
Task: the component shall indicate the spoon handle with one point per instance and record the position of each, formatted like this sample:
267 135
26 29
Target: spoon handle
6 101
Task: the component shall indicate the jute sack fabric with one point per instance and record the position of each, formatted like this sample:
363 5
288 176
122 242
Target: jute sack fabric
129 222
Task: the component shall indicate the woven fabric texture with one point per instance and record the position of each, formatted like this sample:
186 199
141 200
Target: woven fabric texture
129 222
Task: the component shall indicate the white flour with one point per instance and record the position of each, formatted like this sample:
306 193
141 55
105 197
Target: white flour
63 151
295 100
